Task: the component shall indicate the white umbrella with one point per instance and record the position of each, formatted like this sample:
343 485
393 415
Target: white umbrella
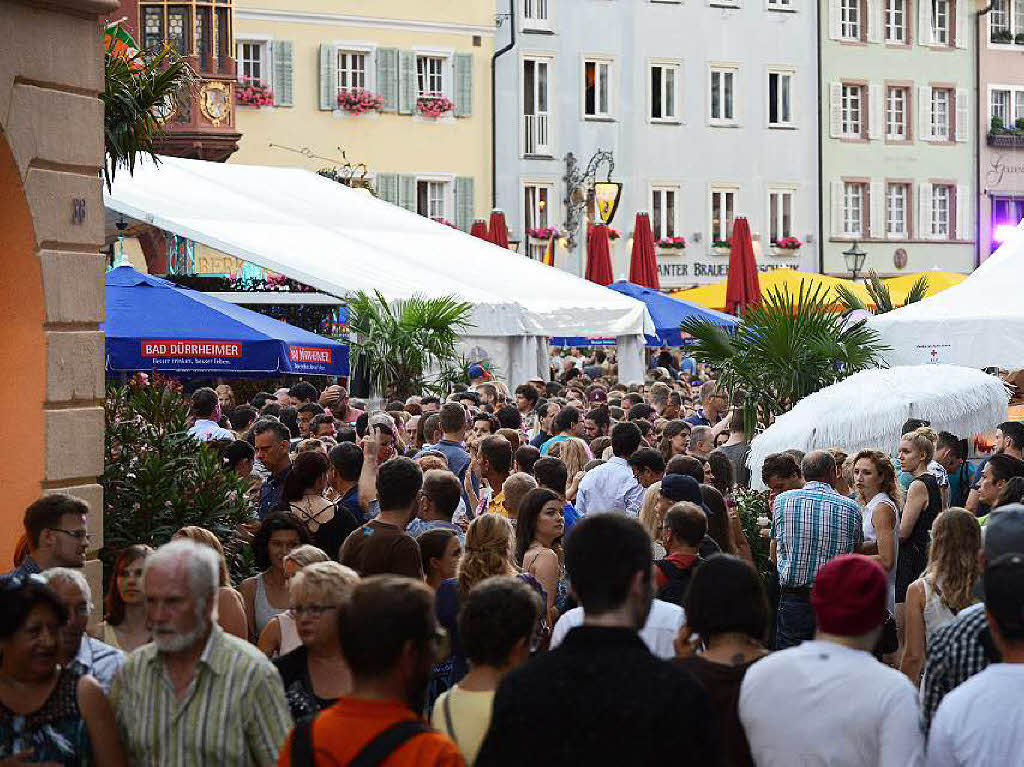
867 410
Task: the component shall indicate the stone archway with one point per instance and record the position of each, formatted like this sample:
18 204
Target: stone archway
51 287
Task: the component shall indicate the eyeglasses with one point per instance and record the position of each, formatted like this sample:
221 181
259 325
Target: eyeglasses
314 611
80 535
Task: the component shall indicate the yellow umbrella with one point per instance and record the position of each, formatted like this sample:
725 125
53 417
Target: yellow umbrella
938 281
713 296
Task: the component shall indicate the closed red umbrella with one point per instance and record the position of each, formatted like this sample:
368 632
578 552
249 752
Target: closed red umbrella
742 288
599 260
643 267
479 229
498 229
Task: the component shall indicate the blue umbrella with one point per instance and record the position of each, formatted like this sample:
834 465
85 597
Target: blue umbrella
155 324
667 312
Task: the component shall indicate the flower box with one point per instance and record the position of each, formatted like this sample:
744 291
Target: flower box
720 247
544 233
1003 36
434 106
444 221
788 244
359 101
677 243
253 93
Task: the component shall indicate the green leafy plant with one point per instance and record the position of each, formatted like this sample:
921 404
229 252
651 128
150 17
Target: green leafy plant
786 348
880 294
157 479
751 504
996 125
1002 36
405 347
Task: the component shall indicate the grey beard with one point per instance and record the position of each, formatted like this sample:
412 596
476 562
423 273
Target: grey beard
180 642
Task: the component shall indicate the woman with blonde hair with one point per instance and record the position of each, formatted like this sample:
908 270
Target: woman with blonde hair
574 454
878 494
230 612
946 587
650 520
281 635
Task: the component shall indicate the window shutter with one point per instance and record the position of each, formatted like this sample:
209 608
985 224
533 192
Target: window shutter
387 187
874 8
836 110
963 119
963 29
406 82
961 203
328 78
407 191
835 30
387 78
463 84
837 208
875 129
924 22
924 211
924 112
463 202
876 211
282 84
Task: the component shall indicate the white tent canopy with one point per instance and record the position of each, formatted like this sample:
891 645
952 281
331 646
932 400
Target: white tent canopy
978 323
340 240
868 409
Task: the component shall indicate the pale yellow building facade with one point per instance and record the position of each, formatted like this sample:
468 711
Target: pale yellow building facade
422 67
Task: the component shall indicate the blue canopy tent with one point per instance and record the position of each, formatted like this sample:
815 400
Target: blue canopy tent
667 312
153 324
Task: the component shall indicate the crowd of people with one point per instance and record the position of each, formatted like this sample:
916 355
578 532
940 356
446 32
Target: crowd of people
561 573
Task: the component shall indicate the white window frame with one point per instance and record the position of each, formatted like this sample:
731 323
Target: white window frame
849 91
263 45
723 70
942 130
536 15
660 225
933 14
675 65
891 231
851 21
781 192
890 112
1015 106
891 12
935 223
854 191
779 5
790 74
1000 17
724 229
448 199
599 62
349 47
545 117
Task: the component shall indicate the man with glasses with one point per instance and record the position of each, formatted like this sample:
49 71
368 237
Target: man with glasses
55 529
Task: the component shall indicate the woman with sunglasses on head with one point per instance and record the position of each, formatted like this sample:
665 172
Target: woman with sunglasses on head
124 621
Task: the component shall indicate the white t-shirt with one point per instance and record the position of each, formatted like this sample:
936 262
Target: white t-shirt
981 722
663 624
821 703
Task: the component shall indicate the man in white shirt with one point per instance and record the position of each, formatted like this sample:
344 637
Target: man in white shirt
206 411
828 701
982 721
659 632
612 486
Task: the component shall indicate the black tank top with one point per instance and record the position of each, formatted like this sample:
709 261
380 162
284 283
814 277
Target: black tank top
919 535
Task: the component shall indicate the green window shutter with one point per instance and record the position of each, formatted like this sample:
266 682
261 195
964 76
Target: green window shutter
406 82
387 77
463 202
387 186
407 191
328 78
463 84
282 53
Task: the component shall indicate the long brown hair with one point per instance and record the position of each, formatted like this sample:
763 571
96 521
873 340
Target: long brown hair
113 604
204 537
487 551
953 557
886 472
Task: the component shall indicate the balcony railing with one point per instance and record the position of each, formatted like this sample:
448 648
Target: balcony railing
1006 140
535 135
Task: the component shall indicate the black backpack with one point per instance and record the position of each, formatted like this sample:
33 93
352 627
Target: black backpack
677 581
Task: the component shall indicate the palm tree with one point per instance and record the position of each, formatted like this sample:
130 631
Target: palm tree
405 347
880 295
786 348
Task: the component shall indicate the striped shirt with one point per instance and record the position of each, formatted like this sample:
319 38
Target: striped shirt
812 526
234 713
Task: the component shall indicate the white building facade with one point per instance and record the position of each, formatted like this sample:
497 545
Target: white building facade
709 108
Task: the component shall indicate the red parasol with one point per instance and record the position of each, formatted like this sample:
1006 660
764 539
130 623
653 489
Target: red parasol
743 287
498 229
599 261
643 267
479 229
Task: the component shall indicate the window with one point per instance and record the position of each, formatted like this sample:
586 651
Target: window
849 19
852 121
723 90
999 107
780 214
780 106
535 13
854 194
432 199
252 61
940 21
429 76
663 212
536 115
999 22
663 91
942 210
896 207
779 5
896 22
942 114
723 206
537 214
597 88
896 120
352 68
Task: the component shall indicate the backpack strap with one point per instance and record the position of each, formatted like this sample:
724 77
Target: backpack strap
302 743
387 742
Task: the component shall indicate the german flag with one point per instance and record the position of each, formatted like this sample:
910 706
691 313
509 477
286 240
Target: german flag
549 252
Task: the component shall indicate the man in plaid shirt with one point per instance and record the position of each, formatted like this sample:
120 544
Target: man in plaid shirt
810 526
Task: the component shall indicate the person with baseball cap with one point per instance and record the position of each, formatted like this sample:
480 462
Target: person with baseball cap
827 700
982 721
676 488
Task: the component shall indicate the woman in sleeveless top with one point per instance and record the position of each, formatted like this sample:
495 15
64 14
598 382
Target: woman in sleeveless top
266 594
281 635
539 546
946 587
230 613
124 615
303 492
874 478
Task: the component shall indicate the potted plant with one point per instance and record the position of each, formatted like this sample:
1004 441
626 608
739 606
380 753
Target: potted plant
720 247
359 101
677 243
544 232
444 221
613 234
253 93
1002 36
1019 38
790 243
434 106
996 125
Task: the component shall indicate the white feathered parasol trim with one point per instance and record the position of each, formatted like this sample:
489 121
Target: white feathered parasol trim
867 410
